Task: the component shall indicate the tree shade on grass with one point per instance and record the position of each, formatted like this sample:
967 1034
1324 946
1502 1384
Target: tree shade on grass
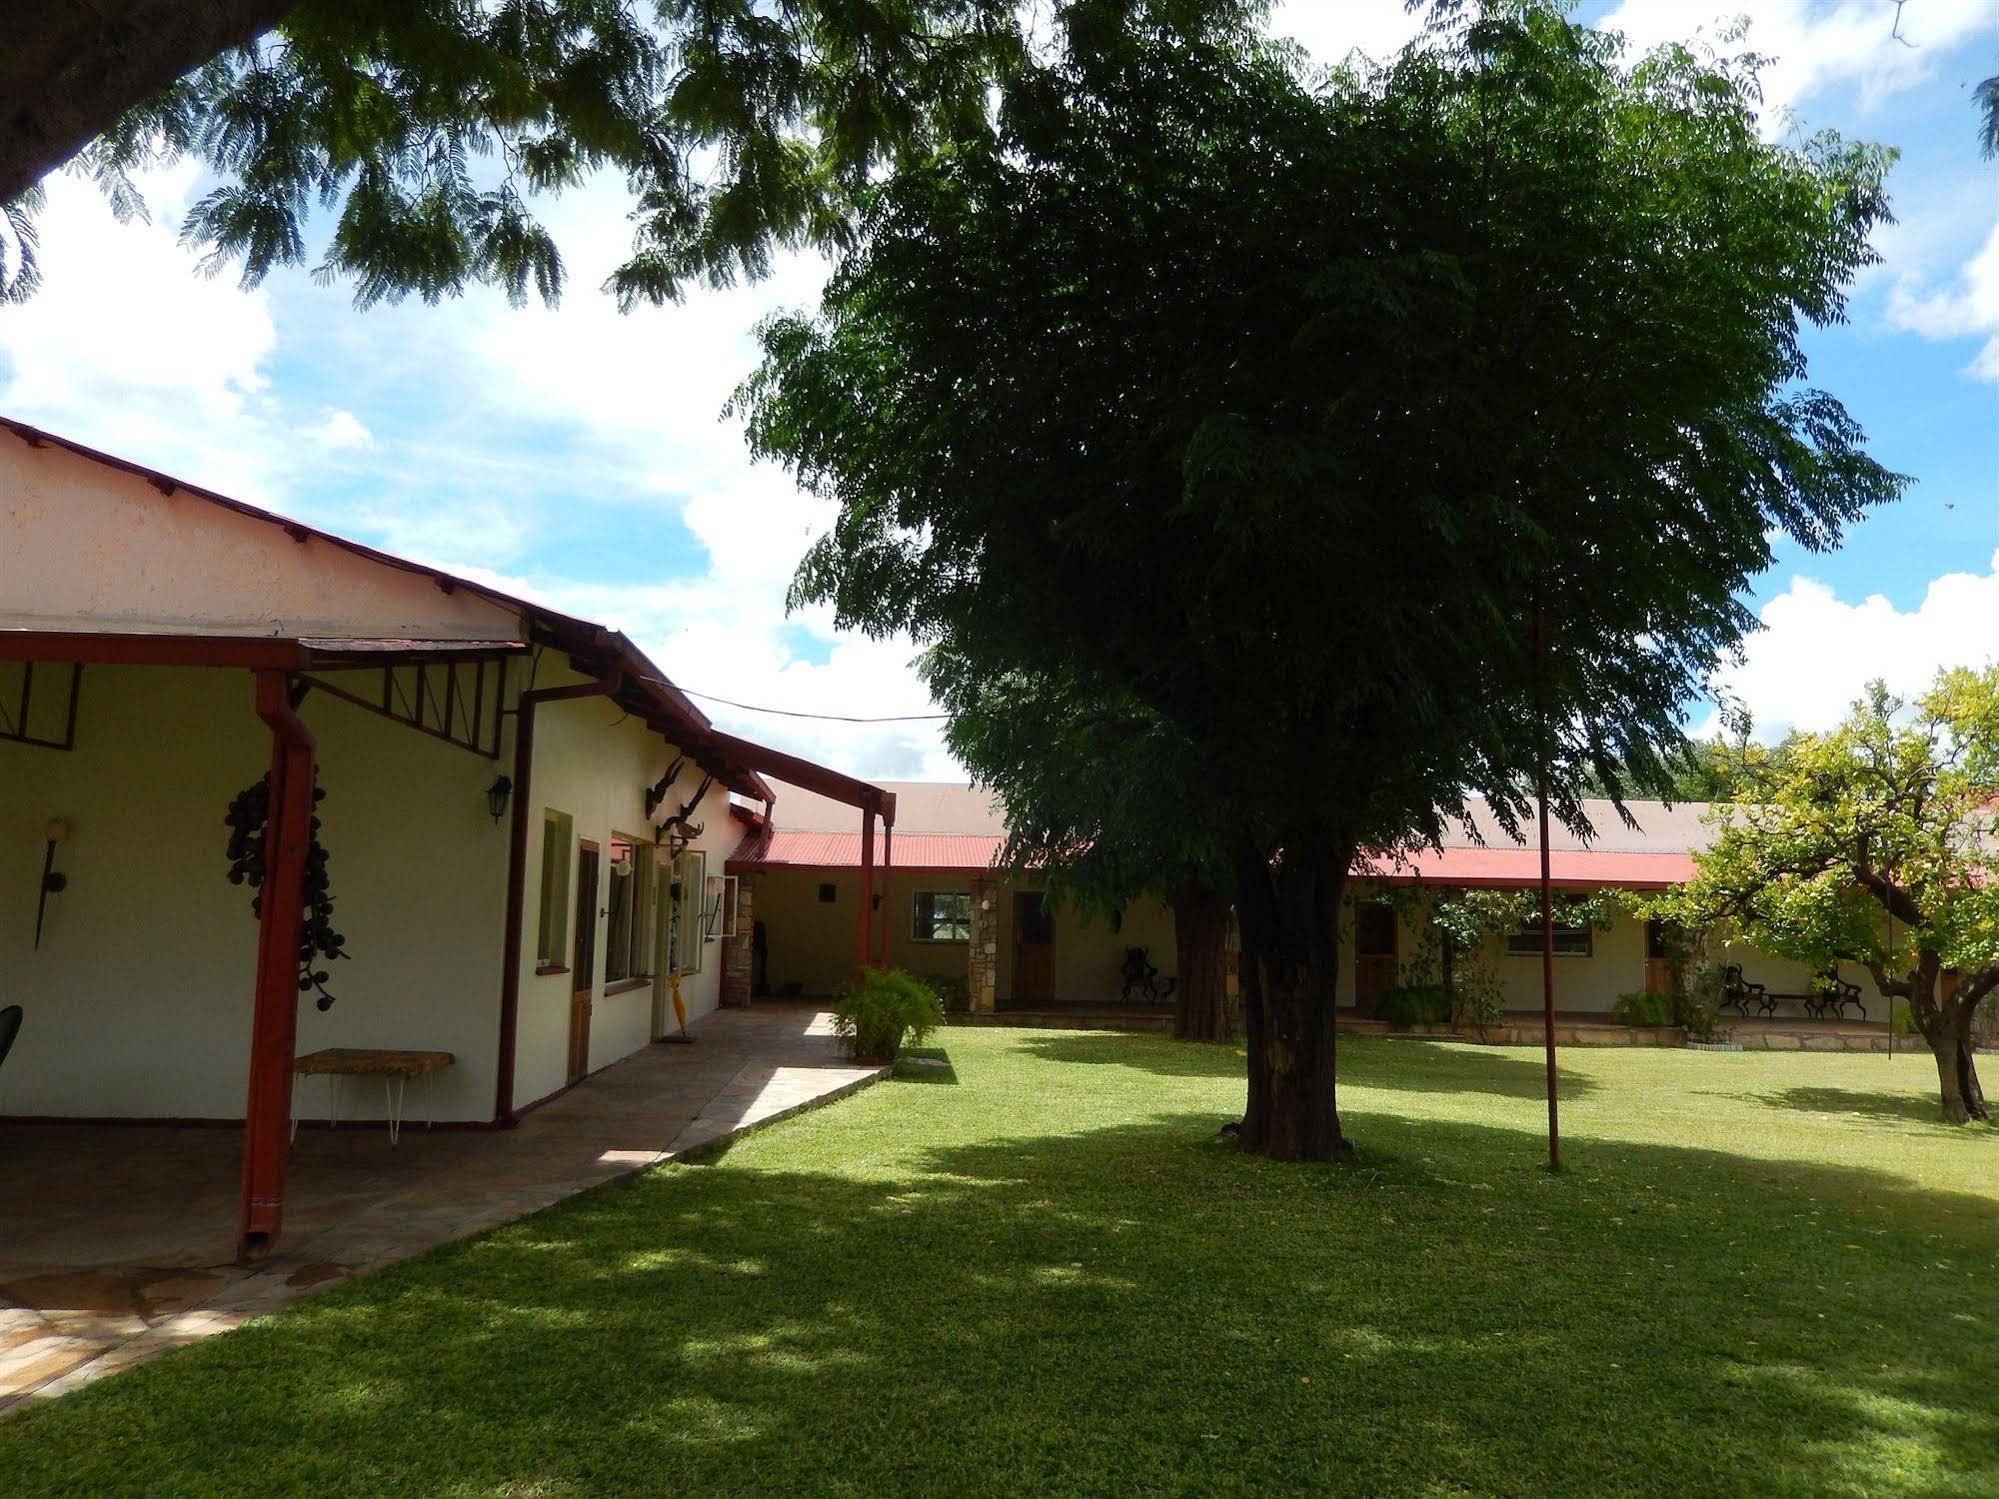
1036 1271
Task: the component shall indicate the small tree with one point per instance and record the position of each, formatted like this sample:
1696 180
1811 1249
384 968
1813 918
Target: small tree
1875 844
1093 793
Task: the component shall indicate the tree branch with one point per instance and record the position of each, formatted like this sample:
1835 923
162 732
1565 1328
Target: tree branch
70 68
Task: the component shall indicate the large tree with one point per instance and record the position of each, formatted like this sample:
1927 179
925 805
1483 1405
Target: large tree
1875 844
424 130
1094 788
1284 404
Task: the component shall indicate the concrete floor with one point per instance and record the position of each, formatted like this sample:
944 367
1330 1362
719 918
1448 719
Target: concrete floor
117 1242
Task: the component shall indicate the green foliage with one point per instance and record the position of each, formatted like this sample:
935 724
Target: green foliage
952 990
1697 1002
1873 844
1406 1005
884 1010
1471 923
1642 1007
425 131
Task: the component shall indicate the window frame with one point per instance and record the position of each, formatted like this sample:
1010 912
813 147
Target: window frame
558 858
1526 942
687 895
916 917
634 959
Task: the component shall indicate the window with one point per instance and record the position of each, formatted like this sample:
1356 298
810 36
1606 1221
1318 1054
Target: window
714 895
1573 939
628 941
685 911
828 894
552 935
942 916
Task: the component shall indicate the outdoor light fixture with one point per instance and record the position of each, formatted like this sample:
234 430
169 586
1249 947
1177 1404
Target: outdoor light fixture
496 797
53 882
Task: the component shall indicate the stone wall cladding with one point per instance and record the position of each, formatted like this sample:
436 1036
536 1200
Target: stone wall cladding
738 957
982 952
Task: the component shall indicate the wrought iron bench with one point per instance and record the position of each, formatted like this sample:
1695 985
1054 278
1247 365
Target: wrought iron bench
1738 995
1141 976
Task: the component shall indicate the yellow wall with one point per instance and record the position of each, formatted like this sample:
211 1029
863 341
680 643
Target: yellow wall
814 944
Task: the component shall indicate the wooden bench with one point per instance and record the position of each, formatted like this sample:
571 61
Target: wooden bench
394 1068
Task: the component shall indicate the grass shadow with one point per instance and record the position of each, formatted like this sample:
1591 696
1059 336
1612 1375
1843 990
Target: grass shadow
925 1064
1865 1104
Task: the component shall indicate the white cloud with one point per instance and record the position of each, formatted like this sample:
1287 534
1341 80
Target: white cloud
1814 44
1331 29
339 429
129 348
1967 309
1816 652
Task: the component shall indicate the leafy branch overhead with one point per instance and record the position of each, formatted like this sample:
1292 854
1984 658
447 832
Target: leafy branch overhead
418 134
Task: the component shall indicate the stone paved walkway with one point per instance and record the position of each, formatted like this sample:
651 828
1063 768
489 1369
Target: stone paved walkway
116 1242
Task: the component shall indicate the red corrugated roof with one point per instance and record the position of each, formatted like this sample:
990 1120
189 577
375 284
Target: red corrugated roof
970 853
809 850
1511 866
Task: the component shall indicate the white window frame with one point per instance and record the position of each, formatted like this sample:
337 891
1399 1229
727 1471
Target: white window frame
687 908
551 943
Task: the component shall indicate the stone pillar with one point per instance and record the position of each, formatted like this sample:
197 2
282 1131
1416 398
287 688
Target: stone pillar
982 952
738 953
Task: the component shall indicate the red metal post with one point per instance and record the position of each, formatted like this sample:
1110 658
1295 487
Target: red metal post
888 864
1547 887
867 885
274 1018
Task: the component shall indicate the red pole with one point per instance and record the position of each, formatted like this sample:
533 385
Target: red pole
867 886
1547 889
888 906
274 1017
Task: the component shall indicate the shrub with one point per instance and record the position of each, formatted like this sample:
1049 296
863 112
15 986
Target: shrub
1697 1005
1642 1007
1414 1004
884 1010
951 989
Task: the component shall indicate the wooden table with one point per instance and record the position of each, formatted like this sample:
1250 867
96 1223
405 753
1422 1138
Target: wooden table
394 1068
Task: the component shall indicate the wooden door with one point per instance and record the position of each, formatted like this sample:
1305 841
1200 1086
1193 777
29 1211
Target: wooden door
1373 953
1658 966
583 968
1033 950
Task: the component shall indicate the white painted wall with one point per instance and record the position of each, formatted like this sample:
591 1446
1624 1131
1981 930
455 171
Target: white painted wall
138 1002
594 762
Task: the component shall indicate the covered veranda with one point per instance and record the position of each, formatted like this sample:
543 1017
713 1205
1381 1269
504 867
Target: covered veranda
118 1241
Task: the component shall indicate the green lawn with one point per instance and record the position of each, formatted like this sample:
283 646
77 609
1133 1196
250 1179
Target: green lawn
1037 1271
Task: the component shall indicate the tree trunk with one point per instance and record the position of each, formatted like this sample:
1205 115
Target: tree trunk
1200 939
1290 959
70 68
1945 1020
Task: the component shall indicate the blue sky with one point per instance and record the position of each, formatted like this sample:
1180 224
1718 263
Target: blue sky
581 455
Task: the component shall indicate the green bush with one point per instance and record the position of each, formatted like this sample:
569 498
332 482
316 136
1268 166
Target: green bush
1414 1004
951 989
884 1010
1642 1007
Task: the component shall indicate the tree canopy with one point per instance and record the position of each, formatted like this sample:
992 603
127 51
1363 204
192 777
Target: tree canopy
424 130
1875 844
1281 403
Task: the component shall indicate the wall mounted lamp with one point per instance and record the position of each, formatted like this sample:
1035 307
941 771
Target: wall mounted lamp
496 797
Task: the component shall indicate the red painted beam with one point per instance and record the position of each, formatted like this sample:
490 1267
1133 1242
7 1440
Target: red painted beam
274 1017
888 905
867 886
807 775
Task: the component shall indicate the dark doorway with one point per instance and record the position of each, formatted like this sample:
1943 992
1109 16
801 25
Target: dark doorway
1373 953
1033 950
